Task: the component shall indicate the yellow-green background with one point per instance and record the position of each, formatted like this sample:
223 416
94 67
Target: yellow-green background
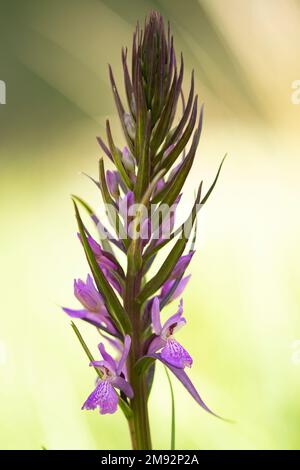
242 304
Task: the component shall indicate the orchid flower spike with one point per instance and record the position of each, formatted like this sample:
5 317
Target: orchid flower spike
159 145
104 396
171 351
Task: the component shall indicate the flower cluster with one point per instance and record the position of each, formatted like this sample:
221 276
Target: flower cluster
126 303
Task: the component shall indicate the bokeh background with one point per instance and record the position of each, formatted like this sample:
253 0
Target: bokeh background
243 301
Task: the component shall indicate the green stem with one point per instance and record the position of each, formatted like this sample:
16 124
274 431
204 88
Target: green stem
139 423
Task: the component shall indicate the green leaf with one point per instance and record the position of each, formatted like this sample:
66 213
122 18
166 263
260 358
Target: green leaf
143 364
166 117
173 411
214 182
182 142
189 222
85 347
176 183
104 241
121 110
164 272
134 250
123 405
117 159
176 133
143 175
150 379
125 408
112 302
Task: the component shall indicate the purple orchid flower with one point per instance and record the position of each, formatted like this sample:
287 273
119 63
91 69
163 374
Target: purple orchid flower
113 179
181 266
124 204
95 311
104 396
106 263
171 351
168 285
128 161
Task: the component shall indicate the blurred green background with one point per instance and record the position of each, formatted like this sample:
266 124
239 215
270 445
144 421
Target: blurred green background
243 301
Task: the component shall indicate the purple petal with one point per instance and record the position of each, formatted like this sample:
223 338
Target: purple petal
181 265
115 343
107 357
174 320
101 258
102 365
156 344
111 279
121 383
128 160
104 396
98 319
124 205
159 185
145 231
168 151
130 125
179 289
127 344
113 183
93 318
186 382
175 355
155 315
88 295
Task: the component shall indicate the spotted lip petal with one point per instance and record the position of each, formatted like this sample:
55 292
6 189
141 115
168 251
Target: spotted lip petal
104 396
176 355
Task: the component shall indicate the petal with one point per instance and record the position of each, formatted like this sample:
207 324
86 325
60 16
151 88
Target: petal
176 355
90 317
174 321
102 365
155 314
88 295
186 382
121 383
179 289
156 344
127 344
96 319
124 204
112 183
114 342
181 265
104 396
107 357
